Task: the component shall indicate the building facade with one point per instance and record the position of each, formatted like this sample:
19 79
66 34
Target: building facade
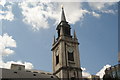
112 73
94 77
66 59
18 72
91 77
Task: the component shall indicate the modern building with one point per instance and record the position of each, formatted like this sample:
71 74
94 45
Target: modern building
65 59
92 77
19 72
112 73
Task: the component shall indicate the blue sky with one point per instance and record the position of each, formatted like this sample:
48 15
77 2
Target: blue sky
96 26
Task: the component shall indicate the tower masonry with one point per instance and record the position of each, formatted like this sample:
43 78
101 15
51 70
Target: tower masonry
65 56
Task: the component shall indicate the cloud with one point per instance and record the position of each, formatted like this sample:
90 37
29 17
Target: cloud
85 73
6 14
36 14
39 14
100 5
102 71
96 14
6 43
7 65
83 69
109 11
3 2
103 7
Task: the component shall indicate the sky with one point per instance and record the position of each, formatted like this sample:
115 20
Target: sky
27 30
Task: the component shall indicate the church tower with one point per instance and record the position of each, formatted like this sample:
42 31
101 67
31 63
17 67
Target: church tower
66 59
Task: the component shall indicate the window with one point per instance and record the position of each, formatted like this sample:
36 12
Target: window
70 56
51 76
15 72
72 78
34 74
57 59
19 68
67 31
58 32
118 73
114 74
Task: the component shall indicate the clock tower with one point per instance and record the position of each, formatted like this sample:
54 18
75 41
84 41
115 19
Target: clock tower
66 59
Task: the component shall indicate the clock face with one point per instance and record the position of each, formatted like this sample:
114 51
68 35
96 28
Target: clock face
70 49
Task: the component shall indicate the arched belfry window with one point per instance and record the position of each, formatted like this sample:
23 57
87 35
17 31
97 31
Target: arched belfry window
57 57
70 56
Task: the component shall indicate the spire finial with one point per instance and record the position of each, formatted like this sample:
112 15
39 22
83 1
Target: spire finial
63 15
62 6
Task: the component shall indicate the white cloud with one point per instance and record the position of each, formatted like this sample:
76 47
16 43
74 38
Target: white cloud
83 69
6 42
74 12
102 71
7 51
109 11
85 73
7 65
102 6
96 14
38 14
65 0
7 13
3 2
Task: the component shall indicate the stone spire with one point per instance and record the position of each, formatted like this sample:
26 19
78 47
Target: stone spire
63 15
63 27
75 37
